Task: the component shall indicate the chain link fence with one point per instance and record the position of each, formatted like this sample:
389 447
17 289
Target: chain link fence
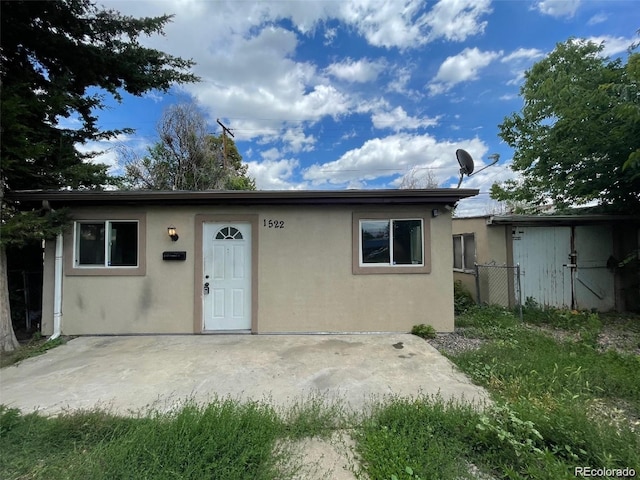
499 285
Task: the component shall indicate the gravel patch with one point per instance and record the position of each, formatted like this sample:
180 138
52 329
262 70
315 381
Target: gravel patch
611 337
622 337
455 342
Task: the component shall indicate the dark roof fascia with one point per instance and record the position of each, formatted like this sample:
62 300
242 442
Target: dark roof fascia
473 217
62 198
560 220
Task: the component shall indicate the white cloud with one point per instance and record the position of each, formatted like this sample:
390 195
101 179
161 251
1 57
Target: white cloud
508 97
517 79
254 83
482 204
598 18
391 156
329 36
248 66
527 54
360 71
298 141
456 20
113 152
463 67
274 174
558 8
399 83
386 23
519 60
397 120
612 45
271 154
254 78
157 98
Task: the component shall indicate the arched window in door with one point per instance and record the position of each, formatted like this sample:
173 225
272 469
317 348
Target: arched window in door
229 233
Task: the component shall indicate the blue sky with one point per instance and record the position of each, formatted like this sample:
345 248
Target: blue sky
338 94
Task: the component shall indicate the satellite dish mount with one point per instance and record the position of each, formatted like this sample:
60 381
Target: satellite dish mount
466 163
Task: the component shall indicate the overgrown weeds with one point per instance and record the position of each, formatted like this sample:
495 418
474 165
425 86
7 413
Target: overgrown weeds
558 399
521 361
585 323
557 404
224 439
462 298
424 331
418 438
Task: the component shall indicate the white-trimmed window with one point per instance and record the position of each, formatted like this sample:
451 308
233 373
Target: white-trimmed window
464 252
106 244
391 242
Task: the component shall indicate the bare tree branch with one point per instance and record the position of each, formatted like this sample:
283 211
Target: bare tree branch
419 178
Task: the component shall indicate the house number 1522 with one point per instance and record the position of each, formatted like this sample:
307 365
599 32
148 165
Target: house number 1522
273 223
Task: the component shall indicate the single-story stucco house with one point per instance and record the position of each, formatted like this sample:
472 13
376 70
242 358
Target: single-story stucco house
136 262
570 261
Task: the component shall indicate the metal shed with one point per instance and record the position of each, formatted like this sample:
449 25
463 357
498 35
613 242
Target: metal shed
571 261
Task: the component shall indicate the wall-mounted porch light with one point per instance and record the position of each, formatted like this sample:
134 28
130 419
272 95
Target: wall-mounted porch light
435 212
173 233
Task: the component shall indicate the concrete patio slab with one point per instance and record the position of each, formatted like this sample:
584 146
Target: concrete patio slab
129 373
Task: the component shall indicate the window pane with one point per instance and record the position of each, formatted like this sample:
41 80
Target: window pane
469 251
407 242
375 241
229 233
124 244
457 251
91 243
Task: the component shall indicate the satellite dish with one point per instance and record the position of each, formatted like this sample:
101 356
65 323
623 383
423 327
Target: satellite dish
466 163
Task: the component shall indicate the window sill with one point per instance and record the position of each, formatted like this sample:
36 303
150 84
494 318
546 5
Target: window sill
387 269
139 271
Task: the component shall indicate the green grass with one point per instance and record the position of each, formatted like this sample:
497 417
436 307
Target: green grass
522 362
557 404
417 438
225 439
36 346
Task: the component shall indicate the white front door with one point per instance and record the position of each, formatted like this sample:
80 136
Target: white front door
227 276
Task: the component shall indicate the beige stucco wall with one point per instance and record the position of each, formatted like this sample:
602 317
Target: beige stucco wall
492 245
307 282
305 278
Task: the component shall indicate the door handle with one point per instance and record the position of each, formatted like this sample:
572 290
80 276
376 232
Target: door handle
206 288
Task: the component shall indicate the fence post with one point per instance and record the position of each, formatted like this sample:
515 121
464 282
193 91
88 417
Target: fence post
478 300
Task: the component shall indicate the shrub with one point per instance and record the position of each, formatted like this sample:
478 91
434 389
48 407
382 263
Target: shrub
462 299
424 331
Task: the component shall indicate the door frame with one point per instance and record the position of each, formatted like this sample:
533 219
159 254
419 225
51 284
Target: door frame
200 220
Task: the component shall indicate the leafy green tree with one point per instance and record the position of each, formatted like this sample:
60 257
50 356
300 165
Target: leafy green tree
187 157
59 59
236 176
578 133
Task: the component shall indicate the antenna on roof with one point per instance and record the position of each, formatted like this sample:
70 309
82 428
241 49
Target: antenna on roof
466 163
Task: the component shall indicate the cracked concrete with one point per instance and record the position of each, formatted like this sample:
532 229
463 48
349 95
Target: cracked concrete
128 373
